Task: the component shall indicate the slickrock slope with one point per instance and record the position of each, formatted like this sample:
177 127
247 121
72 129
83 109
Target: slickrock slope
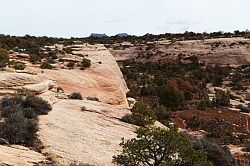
21 156
70 133
91 135
103 80
221 51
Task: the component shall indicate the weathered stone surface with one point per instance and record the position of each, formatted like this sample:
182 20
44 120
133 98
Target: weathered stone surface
20 156
12 83
102 80
90 136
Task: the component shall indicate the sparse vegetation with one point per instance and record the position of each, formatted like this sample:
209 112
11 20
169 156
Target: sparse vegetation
19 124
4 57
86 63
159 147
68 50
46 65
76 96
142 115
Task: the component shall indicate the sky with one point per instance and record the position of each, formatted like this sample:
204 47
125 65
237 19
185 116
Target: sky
79 18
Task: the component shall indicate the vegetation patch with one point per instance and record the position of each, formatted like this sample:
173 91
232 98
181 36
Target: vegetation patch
19 119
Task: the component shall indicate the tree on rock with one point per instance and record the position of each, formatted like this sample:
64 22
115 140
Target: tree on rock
159 147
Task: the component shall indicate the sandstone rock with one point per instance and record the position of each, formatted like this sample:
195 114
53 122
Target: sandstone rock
12 83
103 81
91 136
20 156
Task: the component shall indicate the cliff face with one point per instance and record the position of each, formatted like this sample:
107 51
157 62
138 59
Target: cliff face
86 131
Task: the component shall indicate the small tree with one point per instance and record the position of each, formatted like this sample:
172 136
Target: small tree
143 115
158 147
170 97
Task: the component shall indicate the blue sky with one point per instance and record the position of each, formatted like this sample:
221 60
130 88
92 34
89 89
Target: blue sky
77 18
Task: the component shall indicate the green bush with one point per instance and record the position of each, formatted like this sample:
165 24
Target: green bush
217 155
76 96
158 147
86 63
142 115
221 98
170 97
71 65
68 50
34 59
17 65
204 104
46 65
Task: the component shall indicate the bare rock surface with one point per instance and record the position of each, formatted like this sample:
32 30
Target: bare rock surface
86 131
91 136
20 156
12 83
103 80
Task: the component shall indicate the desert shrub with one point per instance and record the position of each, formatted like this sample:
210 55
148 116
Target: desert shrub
19 125
156 146
86 63
34 59
243 108
221 98
93 98
214 153
220 131
76 96
17 129
31 106
17 65
68 50
204 104
171 98
71 65
128 119
142 115
40 106
46 65
4 57
163 114
195 122
83 108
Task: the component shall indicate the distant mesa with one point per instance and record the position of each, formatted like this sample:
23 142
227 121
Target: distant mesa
98 35
122 34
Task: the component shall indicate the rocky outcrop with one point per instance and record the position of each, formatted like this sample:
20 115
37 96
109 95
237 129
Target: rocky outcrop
83 130
13 83
91 136
20 156
103 80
